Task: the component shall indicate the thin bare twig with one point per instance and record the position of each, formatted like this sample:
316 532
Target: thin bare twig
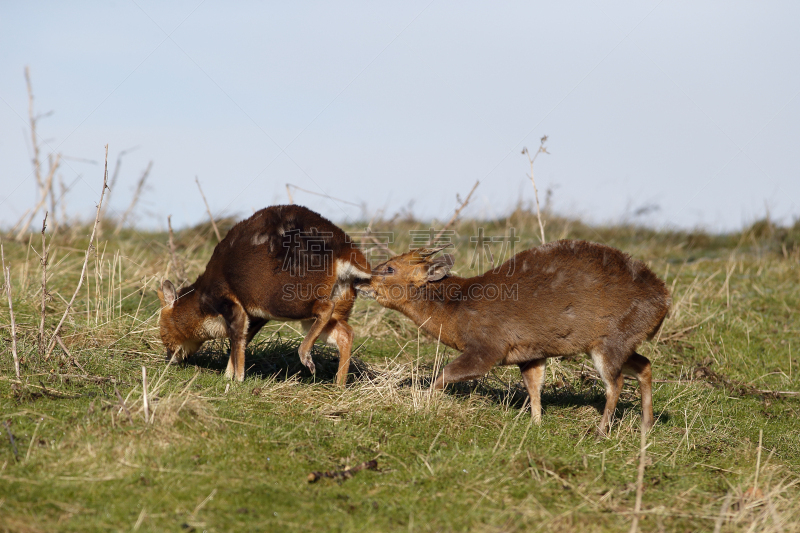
113 181
122 404
43 260
177 266
291 201
44 193
44 186
379 244
7 281
145 404
347 473
137 193
758 460
458 212
89 250
208 210
541 150
34 141
69 355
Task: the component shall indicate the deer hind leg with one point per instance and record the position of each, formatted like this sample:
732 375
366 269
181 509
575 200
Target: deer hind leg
533 377
611 374
638 366
254 327
237 323
322 311
340 334
471 364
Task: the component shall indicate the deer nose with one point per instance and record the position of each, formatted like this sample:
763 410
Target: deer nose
364 289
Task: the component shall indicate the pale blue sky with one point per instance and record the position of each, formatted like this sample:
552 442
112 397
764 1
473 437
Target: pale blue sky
692 106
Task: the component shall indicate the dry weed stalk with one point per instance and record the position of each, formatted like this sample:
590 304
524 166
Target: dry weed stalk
342 475
89 250
640 480
7 283
208 210
145 404
541 150
43 260
458 212
44 186
113 181
45 191
290 186
137 193
177 266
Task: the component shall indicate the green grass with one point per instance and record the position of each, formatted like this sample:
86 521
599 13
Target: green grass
217 456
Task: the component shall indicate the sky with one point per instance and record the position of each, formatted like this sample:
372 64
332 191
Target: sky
676 115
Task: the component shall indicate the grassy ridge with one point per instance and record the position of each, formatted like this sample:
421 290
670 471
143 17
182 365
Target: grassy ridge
215 456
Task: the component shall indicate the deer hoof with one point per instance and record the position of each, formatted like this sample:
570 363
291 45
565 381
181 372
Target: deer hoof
309 363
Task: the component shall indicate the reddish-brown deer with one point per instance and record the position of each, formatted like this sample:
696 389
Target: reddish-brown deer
283 263
560 299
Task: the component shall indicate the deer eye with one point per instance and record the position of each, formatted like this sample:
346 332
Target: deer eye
389 270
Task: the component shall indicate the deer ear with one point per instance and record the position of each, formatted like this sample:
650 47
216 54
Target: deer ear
427 252
440 267
167 294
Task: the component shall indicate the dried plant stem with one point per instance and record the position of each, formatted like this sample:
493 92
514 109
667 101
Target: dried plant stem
44 186
758 459
640 480
347 473
378 243
531 160
145 403
208 210
34 141
43 260
7 280
69 355
135 200
112 183
44 192
89 250
33 439
458 212
291 201
176 264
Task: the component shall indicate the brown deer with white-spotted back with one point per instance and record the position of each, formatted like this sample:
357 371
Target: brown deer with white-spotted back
282 263
559 299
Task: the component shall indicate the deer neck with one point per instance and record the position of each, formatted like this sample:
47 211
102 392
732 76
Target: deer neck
433 308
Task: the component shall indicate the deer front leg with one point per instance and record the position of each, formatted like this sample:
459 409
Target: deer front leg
322 311
472 364
237 323
533 377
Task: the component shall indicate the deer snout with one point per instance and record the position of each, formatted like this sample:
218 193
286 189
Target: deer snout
364 288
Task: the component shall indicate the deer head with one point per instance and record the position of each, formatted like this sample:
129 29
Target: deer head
393 281
177 329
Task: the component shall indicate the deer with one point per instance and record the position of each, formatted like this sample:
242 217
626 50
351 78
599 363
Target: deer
283 263
559 299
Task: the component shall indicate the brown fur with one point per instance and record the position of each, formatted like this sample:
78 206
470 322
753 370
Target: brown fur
283 263
563 298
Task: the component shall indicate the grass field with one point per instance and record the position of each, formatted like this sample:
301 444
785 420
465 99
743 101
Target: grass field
77 454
